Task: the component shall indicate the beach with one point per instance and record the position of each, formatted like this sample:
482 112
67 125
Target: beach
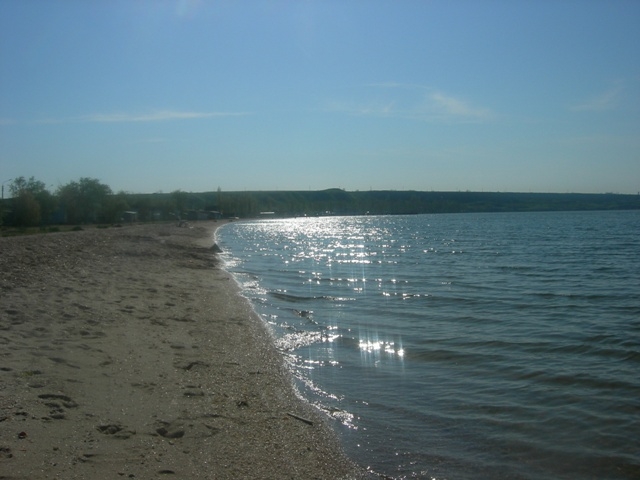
128 352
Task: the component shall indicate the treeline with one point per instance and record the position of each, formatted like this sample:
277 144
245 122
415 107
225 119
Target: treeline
340 202
87 200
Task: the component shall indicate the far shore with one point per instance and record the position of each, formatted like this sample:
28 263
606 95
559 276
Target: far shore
129 353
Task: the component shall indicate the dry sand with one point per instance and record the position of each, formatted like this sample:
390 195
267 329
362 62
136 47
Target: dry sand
127 353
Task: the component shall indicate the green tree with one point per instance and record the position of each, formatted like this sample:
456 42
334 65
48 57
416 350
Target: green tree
21 184
85 201
32 202
179 201
143 207
115 206
26 210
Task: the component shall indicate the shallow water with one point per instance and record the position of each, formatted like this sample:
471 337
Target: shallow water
460 346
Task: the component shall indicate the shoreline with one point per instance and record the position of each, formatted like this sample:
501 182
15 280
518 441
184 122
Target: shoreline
129 352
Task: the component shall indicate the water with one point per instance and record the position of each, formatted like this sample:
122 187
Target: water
460 346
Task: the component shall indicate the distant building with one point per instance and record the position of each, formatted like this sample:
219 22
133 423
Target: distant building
195 215
130 216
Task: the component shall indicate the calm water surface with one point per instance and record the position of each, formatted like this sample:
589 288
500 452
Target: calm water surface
460 346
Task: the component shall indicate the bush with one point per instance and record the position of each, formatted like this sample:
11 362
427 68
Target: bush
26 210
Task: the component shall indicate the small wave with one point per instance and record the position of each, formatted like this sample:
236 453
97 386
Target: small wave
572 296
287 297
584 349
565 380
293 341
448 356
308 314
290 298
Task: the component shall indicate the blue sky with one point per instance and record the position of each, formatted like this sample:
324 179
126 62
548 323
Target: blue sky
161 95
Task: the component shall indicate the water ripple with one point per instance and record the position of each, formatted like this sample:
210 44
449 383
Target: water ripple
460 346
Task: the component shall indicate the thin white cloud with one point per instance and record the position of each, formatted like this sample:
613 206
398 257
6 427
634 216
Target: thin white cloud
152 140
160 116
416 102
157 116
455 108
607 100
187 8
369 109
412 86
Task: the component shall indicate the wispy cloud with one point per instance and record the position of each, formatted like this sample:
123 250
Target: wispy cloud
187 8
155 116
414 101
606 100
454 108
412 86
152 140
376 109
158 116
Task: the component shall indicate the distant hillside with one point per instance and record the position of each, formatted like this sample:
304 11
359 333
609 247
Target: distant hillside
89 201
340 202
41 210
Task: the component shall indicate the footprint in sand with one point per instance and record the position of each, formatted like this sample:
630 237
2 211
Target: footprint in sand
116 430
66 401
170 431
56 403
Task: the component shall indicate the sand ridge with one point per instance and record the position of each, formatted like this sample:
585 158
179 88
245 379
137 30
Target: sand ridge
128 353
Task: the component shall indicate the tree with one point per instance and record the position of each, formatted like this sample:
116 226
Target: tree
115 206
179 201
84 201
26 210
32 203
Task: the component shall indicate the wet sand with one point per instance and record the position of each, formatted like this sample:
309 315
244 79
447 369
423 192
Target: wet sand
128 353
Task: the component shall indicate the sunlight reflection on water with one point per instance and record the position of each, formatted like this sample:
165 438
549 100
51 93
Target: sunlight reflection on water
442 365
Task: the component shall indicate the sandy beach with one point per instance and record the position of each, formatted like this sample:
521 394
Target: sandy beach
128 353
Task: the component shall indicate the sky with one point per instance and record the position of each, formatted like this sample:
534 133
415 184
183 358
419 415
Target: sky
164 95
